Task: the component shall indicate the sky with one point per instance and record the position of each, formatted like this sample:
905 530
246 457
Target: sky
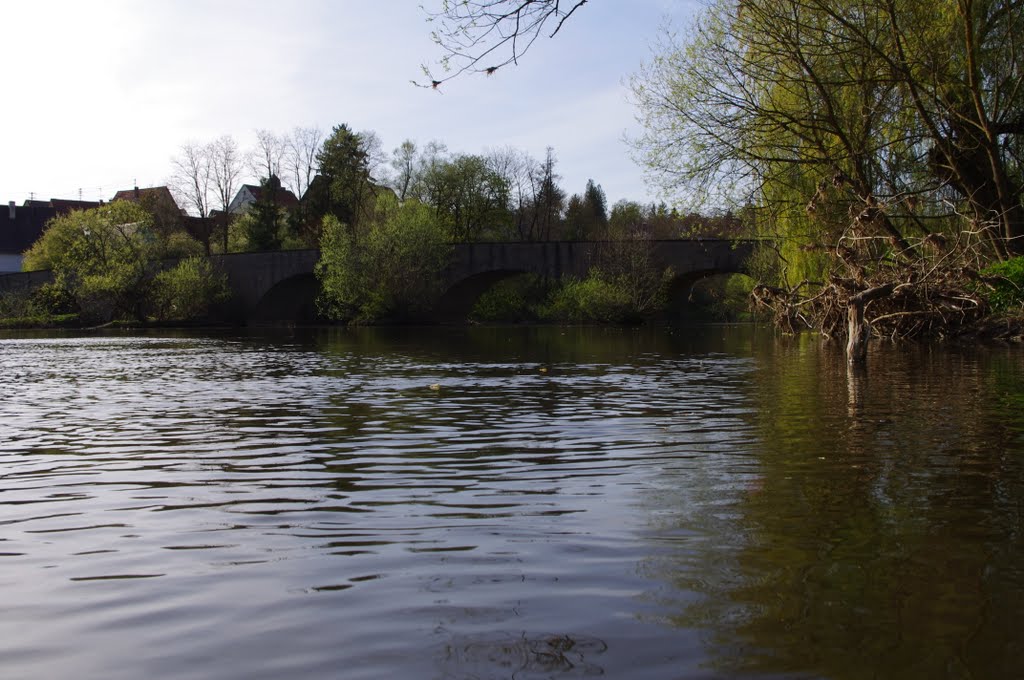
102 94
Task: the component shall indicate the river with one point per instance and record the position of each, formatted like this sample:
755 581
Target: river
485 503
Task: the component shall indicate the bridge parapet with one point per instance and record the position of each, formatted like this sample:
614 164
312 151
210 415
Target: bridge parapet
548 258
20 282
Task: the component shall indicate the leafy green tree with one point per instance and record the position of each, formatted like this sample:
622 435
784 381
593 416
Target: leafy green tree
627 219
340 271
106 264
468 196
878 139
586 216
828 111
592 299
347 190
100 256
408 249
393 272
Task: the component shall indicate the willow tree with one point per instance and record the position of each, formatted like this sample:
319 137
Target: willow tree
869 132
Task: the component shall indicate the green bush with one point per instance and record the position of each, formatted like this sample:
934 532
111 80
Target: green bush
47 305
188 291
518 299
15 304
104 297
1007 281
722 298
593 299
52 299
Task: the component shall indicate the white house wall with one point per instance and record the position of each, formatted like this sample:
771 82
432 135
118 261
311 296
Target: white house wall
9 263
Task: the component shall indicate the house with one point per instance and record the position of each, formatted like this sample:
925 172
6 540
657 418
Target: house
62 205
157 200
20 227
248 194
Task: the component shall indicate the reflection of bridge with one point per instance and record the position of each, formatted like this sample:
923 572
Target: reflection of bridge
281 285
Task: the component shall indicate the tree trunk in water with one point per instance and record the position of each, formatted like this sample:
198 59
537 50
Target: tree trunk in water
858 330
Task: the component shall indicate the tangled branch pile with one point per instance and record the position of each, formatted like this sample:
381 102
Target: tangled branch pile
935 288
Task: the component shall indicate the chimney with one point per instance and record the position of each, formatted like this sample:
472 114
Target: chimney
10 209
136 192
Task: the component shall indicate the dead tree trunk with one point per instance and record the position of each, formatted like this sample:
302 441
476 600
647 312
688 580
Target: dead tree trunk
858 330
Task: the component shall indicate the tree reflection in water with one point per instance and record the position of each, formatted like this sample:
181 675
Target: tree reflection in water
881 536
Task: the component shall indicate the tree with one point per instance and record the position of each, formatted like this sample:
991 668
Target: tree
301 149
226 162
627 220
468 196
347 189
193 182
264 229
403 162
586 216
518 170
188 290
393 272
100 257
484 35
575 219
879 131
266 159
596 205
550 201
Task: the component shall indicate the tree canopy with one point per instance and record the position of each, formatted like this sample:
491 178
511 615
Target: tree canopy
874 132
106 259
346 185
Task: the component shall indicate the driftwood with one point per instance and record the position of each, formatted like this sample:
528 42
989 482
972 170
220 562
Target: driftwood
858 331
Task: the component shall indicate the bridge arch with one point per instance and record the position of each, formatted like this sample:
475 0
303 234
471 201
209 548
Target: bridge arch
684 299
460 297
261 284
292 299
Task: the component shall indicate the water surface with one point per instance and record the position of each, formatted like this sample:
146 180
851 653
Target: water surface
713 502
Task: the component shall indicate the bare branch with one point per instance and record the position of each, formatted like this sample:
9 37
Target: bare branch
482 36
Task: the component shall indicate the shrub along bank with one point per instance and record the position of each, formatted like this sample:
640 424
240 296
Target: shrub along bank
107 264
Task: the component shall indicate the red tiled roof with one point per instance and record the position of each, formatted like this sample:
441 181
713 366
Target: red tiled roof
284 197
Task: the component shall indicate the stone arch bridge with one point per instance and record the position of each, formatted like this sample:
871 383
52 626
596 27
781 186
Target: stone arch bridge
282 286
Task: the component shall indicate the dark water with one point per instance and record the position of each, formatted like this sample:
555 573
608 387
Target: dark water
708 503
